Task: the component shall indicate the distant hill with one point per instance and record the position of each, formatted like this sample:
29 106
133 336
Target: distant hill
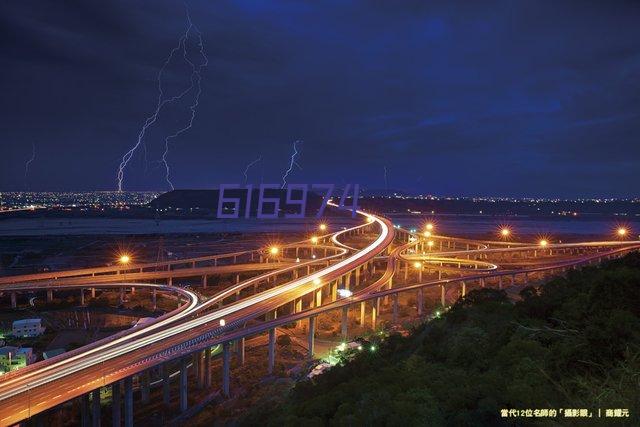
208 200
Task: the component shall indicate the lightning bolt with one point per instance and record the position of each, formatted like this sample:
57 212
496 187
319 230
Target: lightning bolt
196 81
292 163
246 177
162 101
386 183
28 163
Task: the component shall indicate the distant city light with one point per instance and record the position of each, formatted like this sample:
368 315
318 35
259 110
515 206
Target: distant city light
222 322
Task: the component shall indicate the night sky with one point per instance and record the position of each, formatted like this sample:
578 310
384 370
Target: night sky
474 98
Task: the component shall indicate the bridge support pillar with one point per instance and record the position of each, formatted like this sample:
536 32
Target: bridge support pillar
154 299
395 309
95 408
464 288
272 350
420 302
362 313
207 367
196 362
345 321
319 297
14 300
85 417
297 307
204 281
81 296
93 292
374 313
133 290
240 351
128 402
443 301
526 278
357 276
311 337
334 290
145 386
121 295
115 403
49 295
226 365
166 384
499 282
482 282
184 403
170 281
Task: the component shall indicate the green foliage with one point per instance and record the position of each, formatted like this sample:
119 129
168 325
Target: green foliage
573 342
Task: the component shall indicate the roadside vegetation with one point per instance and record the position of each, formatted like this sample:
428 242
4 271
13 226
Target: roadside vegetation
573 343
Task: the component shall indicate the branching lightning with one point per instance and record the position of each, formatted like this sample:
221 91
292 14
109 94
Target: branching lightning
246 170
28 163
292 163
196 79
386 182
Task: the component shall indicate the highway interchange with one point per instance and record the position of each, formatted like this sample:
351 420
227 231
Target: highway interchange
389 263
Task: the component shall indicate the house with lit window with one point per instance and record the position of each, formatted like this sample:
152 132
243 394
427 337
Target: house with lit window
27 328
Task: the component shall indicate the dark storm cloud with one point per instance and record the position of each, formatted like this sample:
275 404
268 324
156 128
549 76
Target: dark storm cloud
507 98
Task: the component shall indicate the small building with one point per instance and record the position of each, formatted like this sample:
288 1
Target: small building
12 358
27 328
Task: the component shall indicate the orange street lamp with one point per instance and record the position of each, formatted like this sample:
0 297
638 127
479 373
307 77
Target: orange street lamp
322 227
314 240
429 226
417 265
505 232
124 259
427 234
274 250
544 242
622 232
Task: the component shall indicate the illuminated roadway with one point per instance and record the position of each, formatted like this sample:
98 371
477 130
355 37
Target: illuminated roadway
197 325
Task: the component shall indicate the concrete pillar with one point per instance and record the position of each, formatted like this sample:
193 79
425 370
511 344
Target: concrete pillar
121 295
482 282
334 290
116 402
442 295
145 391
154 298
226 365
49 295
345 321
95 407
81 296
420 301
499 282
133 290
14 302
93 292
128 402
207 367
204 281
240 350
311 337
362 313
166 384
184 378
464 288
170 281
272 350
196 363
357 276
374 312
319 297
84 410
395 308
